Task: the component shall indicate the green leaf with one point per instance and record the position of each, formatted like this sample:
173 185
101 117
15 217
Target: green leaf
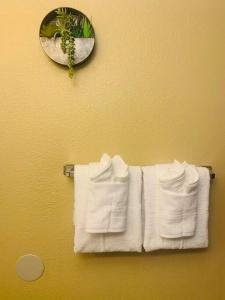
87 28
49 30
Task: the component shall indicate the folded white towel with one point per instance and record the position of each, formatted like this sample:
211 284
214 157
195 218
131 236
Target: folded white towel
177 198
130 240
152 237
107 195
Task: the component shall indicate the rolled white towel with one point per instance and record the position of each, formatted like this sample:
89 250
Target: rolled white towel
107 195
177 197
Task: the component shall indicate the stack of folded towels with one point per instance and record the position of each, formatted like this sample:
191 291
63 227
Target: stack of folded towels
176 200
108 206
110 214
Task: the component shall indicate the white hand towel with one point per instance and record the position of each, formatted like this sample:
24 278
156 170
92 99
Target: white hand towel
152 237
107 195
130 240
177 197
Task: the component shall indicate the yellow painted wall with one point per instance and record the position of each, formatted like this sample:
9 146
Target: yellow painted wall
153 91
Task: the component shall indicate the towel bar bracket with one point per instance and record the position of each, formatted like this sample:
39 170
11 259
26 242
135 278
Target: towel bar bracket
211 173
68 171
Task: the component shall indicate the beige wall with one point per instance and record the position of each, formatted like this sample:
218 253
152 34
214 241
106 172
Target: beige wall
154 91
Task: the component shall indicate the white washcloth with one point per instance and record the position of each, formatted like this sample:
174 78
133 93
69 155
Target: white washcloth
130 240
177 195
152 238
107 195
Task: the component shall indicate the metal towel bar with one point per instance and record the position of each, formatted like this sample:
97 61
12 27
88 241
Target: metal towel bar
68 171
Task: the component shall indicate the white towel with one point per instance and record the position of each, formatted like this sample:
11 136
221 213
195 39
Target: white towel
130 240
177 195
107 195
152 238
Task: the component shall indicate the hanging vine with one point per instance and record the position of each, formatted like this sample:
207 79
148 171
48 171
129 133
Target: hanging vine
65 24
